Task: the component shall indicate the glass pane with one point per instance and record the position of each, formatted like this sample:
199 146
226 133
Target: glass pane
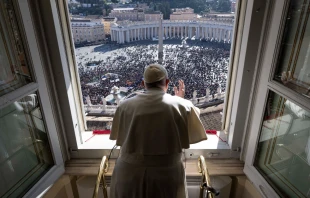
14 71
117 41
293 69
25 154
283 153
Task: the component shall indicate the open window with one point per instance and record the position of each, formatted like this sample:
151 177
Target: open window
268 92
277 158
80 97
29 146
200 47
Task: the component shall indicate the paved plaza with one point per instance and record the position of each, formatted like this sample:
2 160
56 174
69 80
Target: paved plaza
200 64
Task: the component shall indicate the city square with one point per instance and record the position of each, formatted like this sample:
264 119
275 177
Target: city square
201 64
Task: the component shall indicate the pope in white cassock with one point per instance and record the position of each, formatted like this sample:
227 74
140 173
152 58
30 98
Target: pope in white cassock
152 128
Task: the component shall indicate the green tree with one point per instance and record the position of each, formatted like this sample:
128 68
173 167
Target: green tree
221 6
198 5
208 9
214 5
163 8
107 9
224 6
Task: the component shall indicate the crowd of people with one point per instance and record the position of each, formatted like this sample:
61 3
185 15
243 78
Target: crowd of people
200 64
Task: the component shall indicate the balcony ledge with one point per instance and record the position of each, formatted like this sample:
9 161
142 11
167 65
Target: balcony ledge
216 167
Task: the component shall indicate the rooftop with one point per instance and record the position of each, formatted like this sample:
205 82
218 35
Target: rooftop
221 15
109 17
152 12
182 13
121 9
80 20
187 9
94 16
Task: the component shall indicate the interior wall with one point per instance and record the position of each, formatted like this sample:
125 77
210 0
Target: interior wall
243 188
65 187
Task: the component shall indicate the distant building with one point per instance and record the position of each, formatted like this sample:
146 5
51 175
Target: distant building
131 14
129 31
183 10
143 6
152 15
226 18
107 21
93 17
87 30
183 14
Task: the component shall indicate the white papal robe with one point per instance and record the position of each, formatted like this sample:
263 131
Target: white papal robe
152 128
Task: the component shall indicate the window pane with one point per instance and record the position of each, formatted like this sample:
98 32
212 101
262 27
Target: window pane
25 154
14 71
283 153
293 69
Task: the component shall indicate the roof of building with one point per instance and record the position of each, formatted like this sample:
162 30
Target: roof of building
85 23
94 16
183 13
152 12
183 9
80 20
109 18
120 9
220 15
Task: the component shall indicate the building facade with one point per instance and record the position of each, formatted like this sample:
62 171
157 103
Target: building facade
183 14
107 21
130 5
134 31
152 16
226 18
131 14
86 30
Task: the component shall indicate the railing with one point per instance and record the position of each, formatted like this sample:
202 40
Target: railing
205 101
205 181
100 178
202 168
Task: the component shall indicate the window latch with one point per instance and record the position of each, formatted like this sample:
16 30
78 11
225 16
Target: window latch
238 149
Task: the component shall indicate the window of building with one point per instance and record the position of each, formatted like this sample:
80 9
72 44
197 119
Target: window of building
28 150
278 117
199 52
279 165
79 105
